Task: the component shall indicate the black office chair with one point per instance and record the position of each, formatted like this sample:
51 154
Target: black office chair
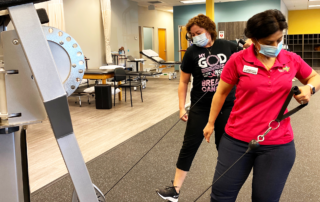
120 75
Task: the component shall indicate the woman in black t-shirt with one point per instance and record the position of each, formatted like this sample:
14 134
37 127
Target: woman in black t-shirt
204 60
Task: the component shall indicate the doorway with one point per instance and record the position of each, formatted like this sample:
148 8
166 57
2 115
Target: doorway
162 35
147 38
183 42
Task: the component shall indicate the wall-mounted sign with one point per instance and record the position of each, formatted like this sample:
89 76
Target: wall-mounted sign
221 34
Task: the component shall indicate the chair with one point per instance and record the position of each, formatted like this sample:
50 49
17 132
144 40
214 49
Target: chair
120 75
84 89
88 90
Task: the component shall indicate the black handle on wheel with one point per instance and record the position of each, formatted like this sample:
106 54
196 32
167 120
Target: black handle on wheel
296 90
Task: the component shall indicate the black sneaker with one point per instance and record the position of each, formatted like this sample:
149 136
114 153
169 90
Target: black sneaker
168 193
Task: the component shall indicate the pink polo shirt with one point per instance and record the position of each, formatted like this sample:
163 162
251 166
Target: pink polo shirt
260 94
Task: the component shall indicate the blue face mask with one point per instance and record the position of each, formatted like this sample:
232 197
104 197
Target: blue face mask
271 51
200 40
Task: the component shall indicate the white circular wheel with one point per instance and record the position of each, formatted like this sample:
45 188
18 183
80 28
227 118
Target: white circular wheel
68 57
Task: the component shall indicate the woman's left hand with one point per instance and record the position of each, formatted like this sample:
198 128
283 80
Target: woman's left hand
305 95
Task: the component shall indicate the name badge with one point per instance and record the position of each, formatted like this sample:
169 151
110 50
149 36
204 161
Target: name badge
250 70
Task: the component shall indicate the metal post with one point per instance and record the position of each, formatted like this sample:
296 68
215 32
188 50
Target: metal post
42 65
3 95
11 177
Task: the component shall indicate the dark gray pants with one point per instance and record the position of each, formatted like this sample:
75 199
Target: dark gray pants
271 166
198 118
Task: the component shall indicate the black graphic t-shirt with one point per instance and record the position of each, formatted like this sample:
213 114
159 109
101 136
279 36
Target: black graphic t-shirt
206 70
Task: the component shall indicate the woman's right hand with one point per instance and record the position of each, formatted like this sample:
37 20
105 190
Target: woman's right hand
183 115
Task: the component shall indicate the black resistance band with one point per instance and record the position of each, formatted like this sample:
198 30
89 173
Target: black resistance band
159 139
156 143
295 90
255 143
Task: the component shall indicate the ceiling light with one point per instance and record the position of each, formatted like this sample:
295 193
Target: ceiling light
314 5
314 0
193 1
154 2
170 11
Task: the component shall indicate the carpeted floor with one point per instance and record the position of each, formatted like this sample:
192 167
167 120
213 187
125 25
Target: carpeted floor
157 168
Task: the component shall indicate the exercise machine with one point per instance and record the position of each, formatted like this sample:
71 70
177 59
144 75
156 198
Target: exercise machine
39 68
158 62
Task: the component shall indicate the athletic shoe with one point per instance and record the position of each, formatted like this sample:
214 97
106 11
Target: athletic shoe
168 193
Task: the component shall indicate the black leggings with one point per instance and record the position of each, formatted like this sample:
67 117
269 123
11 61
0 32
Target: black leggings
198 118
271 166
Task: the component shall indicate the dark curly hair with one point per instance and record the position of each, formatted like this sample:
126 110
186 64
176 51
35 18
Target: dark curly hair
204 22
265 24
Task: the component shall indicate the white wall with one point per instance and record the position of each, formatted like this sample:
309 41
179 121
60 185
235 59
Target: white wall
125 26
42 5
158 19
284 10
84 23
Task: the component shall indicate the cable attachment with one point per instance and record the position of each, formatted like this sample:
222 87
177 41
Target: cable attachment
254 144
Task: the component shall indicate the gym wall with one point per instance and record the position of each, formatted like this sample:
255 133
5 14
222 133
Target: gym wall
224 12
84 22
158 19
304 21
181 16
284 10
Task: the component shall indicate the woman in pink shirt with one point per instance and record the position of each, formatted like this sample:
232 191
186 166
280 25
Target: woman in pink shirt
263 75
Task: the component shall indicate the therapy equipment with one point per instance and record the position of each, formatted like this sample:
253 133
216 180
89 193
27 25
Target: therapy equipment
111 67
86 89
142 76
150 54
117 58
39 68
137 61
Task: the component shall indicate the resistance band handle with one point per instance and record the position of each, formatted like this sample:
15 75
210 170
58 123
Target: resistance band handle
294 90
